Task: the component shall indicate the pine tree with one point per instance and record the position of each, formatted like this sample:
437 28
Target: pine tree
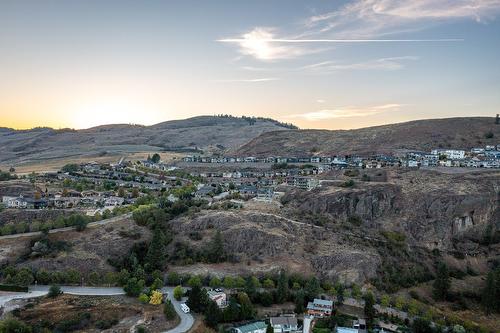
198 299
216 251
369 309
169 311
269 328
442 283
490 299
156 255
282 291
213 314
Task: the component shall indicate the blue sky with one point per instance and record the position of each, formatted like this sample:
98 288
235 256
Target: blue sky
85 63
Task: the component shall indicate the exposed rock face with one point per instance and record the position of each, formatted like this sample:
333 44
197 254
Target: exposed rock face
281 243
430 208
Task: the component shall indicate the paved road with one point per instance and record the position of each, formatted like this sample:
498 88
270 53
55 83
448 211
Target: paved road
187 319
185 324
53 231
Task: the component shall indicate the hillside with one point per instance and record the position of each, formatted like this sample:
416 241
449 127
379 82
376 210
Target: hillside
415 135
205 133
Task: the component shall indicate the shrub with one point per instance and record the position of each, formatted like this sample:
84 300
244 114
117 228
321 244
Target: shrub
351 173
349 183
488 135
156 297
54 291
143 298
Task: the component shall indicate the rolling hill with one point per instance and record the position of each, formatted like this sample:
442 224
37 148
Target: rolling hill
207 133
414 135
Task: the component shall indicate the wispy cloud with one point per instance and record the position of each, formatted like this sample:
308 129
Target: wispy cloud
260 44
347 112
375 18
263 79
392 63
363 21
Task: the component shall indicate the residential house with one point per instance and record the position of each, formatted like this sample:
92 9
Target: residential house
284 324
320 308
256 327
218 297
265 194
305 183
360 325
453 154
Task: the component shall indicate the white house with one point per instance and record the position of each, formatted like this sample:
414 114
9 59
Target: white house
218 297
453 154
284 324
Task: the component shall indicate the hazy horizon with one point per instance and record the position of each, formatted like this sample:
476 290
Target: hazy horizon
316 64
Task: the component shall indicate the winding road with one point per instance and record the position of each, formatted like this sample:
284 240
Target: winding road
185 324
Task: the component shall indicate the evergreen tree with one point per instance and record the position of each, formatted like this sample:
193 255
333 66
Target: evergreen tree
246 308
442 283
300 298
269 328
198 299
213 314
282 290
134 287
232 311
156 254
369 309
215 251
312 288
490 298
168 310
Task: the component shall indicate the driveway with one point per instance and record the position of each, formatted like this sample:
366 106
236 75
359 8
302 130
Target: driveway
187 319
185 324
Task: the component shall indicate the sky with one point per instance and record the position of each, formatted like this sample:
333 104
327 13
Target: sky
314 63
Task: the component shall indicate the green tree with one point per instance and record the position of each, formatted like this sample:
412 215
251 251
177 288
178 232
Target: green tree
215 252
54 291
268 283
269 328
173 279
194 281
300 299
134 287
490 298
282 288
312 288
228 282
24 277
178 293
213 314
247 310
369 309
155 258
198 299
169 311
155 158
215 282
442 283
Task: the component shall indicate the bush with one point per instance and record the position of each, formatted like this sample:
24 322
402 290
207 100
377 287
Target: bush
54 291
106 324
489 135
349 183
143 298
351 173
14 326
